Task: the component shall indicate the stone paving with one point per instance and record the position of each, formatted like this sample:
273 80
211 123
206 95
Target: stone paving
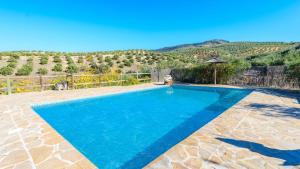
261 131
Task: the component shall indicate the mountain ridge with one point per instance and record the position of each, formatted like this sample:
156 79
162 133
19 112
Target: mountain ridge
208 43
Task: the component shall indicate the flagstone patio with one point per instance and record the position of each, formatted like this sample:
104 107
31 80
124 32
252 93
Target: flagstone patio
261 132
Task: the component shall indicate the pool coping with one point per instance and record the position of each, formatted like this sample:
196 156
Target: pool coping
32 143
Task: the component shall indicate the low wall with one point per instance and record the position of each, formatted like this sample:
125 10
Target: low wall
267 76
270 76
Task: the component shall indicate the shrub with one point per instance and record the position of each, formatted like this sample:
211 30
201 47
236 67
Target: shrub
145 69
294 71
127 63
103 68
57 67
108 59
277 62
121 66
69 60
12 59
12 65
80 59
150 62
25 70
72 68
109 77
138 59
115 57
30 60
44 60
57 59
89 58
15 56
129 57
130 81
204 74
110 64
42 71
6 71
100 59
93 65
256 63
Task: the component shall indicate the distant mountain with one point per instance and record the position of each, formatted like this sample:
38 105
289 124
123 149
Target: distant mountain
209 43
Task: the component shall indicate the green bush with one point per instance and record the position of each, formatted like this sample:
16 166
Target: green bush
257 63
30 60
103 68
12 59
138 59
42 71
69 60
43 60
294 71
121 66
93 65
80 59
12 65
204 74
115 57
130 80
72 68
6 71
127 63
25 70
57 67
108 59
89 58
100 59
110 64
277 62
15 56
57 59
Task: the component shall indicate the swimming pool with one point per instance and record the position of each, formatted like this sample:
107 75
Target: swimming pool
129 130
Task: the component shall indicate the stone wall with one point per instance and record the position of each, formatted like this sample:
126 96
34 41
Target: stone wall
262 76
267 76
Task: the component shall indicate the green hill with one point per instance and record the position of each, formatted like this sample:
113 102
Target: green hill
21 63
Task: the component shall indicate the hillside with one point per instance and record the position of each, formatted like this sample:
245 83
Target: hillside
209 43
236 50
24 63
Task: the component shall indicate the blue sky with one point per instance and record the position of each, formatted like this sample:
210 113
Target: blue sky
94 25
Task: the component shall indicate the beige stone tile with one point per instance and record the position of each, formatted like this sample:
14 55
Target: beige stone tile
41 153
24 165
71 155
53 163
193 163
14 157
85 164
178 166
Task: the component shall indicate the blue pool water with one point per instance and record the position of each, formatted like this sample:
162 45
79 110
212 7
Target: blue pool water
130 130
